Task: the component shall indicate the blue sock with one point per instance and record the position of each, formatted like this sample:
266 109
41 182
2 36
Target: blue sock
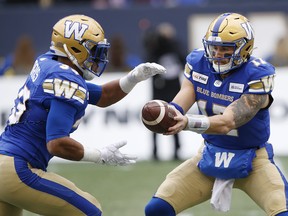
159 207
283 214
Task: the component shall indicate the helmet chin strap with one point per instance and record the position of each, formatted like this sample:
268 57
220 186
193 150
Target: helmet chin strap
86 74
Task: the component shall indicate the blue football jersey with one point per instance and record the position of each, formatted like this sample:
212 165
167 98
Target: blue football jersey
25 132
214 94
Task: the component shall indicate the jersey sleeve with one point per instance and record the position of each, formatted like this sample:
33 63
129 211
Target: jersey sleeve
194 61
95 92
261 77
188 71
66 86
60 120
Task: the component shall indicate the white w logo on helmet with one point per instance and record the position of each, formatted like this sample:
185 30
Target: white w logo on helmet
74 27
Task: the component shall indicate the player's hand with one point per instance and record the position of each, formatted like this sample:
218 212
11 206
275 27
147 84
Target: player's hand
180 125
111 155
146 70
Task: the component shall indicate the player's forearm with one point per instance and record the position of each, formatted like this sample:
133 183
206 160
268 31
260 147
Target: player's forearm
66 148
111 93
217 124
220 124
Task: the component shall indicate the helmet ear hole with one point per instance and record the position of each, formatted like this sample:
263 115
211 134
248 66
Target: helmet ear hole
75 50
59 44
248 48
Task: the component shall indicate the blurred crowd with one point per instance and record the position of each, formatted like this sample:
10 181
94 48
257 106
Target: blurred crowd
279 57
104 4
21 59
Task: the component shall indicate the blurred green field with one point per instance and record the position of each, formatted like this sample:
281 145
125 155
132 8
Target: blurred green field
124 191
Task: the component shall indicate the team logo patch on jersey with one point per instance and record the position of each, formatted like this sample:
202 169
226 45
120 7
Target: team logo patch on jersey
200 77
217 83
64 88
265 84
188 69
236 87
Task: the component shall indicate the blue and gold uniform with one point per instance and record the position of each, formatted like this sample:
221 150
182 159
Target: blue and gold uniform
48 108
225 76
49 79
214 94
23 153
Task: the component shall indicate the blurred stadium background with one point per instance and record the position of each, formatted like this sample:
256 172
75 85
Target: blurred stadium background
125 191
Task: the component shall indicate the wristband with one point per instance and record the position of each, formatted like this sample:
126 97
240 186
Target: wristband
91 155
197 123
127 83
179 108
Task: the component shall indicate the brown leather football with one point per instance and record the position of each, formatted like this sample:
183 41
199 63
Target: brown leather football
157 116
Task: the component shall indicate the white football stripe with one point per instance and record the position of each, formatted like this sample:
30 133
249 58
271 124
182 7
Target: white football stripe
160 117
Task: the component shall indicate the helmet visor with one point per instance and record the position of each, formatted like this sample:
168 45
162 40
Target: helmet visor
98 56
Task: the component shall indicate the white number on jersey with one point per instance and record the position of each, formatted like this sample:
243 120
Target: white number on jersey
18 109
257 62
217 110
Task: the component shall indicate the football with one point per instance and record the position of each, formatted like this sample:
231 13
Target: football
157 116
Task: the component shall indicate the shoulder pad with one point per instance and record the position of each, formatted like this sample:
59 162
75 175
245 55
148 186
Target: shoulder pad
195 56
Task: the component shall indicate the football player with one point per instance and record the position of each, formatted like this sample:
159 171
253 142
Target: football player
233 90
48 108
